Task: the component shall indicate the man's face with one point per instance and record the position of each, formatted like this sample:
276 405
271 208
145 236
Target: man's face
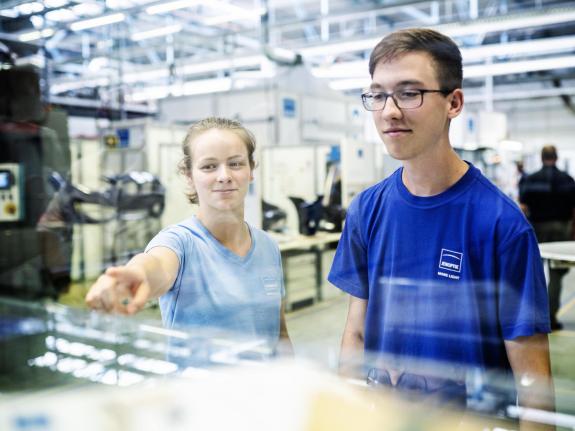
411 134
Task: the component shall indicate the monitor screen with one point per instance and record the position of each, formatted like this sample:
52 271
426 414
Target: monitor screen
5 179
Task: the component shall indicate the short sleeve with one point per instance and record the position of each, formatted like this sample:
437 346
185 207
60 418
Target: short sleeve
349 268
280 271
173 238
523 303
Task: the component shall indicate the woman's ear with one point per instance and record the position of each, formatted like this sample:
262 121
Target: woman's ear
190 183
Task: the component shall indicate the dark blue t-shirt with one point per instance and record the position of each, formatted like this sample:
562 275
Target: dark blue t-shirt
447 277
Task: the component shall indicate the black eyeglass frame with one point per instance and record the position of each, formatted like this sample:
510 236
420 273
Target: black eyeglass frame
421 92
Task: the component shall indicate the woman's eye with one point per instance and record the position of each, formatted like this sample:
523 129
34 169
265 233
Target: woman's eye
208 167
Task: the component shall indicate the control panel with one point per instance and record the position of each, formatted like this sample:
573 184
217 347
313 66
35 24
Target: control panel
11 192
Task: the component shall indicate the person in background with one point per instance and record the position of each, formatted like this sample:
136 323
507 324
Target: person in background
211 270
548 199
439 264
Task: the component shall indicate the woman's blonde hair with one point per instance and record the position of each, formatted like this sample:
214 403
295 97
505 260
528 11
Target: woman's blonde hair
202 126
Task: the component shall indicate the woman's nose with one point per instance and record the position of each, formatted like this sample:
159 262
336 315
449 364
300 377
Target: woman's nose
223 174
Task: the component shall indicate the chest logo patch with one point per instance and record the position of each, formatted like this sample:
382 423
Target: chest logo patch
450 261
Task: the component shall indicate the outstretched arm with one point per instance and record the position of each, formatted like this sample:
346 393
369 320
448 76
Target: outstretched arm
126 289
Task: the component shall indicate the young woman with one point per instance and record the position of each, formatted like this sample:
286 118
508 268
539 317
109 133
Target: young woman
213 269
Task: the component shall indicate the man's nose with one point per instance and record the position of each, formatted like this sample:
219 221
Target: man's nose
391 110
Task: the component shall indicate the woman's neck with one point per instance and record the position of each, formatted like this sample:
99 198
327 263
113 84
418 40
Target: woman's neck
229 229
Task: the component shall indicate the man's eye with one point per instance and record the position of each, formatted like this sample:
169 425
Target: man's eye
406 94
377 97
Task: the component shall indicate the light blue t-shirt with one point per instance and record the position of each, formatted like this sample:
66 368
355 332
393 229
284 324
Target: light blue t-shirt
216 288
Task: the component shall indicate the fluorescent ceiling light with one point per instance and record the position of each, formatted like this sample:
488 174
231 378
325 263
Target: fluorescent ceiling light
504 24
97 22
35 35
225 6
454 30
156 32
30 8
530 93
479 71
55 3
483 70
37 21
203 86
125 4
214 66
76 85
341 47
357 69
237 16
349 69
510 49
98 63
153 74
61 15
171 6
87 9
146 76
9 13
35 60
350 84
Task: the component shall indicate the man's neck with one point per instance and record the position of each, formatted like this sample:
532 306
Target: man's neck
432 177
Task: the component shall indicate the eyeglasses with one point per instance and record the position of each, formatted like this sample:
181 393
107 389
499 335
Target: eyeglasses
404 99
445 390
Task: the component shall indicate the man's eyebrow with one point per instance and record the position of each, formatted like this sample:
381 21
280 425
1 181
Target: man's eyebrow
377 87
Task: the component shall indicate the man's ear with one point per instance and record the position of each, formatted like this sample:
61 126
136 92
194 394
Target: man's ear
455 103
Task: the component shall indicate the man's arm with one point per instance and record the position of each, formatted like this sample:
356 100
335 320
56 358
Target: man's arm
529 359
352 343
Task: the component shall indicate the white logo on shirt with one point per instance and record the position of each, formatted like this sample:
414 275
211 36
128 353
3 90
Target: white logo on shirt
450 261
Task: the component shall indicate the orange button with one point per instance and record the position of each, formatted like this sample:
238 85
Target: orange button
10 208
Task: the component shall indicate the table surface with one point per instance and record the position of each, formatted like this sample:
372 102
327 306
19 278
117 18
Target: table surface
562 250
286 242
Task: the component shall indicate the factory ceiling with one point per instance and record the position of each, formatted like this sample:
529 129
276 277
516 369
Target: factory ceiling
135 52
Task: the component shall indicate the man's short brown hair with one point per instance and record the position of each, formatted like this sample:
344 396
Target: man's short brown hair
443 50
549 153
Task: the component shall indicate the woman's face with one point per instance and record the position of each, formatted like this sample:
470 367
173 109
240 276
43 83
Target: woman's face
221 171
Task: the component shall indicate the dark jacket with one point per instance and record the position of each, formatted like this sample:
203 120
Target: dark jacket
549 194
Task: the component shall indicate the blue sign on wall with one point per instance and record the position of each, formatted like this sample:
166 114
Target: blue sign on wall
124 136
288 107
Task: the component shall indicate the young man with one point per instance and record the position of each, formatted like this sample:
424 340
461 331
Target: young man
439 264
